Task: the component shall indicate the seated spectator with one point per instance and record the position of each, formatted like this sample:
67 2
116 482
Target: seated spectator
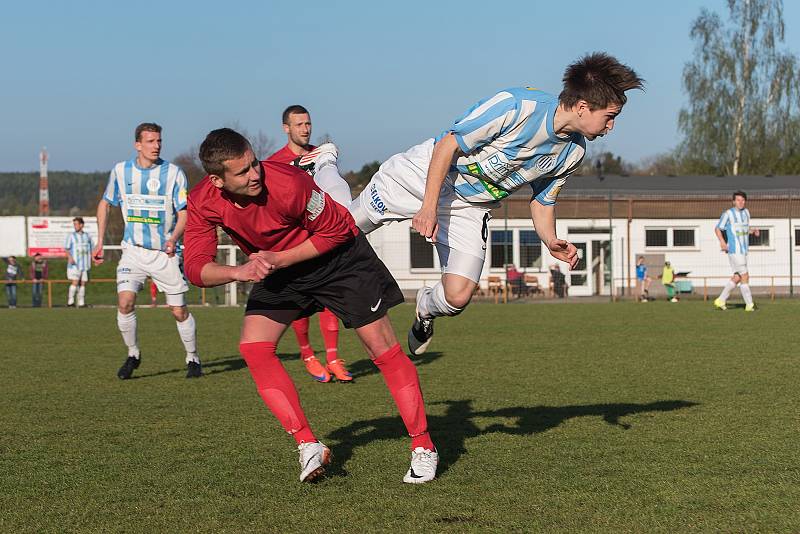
515 280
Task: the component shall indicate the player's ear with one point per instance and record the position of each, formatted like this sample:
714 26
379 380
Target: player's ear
286 129
216 180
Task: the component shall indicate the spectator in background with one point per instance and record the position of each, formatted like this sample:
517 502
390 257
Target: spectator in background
153 294
515 280
12 275
38 274
642 280
558 282
668 279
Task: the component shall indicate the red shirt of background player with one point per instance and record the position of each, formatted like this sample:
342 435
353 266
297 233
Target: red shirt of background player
285 155
289 210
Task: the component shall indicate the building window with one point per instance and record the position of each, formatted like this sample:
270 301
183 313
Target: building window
502 248
683 237
762 239
796 236
421 251
530 249
655 237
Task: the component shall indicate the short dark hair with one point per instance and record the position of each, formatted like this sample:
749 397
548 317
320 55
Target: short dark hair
78 219
146 127
297 108
219 146
36 255
739 193
600 80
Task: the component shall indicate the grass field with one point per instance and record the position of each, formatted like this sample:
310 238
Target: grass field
552 417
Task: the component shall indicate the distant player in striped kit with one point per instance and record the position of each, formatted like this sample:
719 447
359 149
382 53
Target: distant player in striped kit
297 125
448 185
79 262
735 241
152 194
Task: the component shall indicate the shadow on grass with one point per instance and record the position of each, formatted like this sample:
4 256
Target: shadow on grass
451 430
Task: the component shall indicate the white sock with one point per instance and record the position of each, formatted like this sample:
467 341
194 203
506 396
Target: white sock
82 296
746 294
726 291
127 327
433 304
71 295
329 180
186 330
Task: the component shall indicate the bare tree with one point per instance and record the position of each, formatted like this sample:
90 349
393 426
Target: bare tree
743 91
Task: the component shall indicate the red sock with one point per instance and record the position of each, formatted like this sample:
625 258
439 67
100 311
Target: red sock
329 326
403 383
300 327
277 389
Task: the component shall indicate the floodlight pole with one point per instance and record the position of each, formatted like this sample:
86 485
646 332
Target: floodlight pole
791 249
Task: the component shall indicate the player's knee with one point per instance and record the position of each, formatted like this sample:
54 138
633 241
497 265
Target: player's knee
126 307
457 299
181 313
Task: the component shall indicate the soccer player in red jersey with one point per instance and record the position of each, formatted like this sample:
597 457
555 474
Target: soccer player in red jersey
305 253
297 125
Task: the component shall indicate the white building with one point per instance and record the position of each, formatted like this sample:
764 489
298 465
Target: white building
615 220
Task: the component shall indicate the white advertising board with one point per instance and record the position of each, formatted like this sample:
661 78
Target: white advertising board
12 236
47 235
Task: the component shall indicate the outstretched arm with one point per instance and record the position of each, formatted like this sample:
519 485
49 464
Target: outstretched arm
425 220
544 221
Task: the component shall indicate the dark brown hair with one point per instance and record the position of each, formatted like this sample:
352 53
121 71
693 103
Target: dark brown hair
78 219
146 127
600 80
739 193
219 146
293 109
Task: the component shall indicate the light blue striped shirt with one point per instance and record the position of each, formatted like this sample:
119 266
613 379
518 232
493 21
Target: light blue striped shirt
508 141
80 246
736 225
150 198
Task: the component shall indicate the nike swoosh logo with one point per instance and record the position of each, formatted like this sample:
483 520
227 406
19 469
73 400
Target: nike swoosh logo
414 475
373 308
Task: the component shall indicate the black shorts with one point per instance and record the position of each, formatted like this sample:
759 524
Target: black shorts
349 280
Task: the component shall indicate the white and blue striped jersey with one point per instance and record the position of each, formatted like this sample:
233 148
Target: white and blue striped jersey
80 246
736 225
150 198
508 141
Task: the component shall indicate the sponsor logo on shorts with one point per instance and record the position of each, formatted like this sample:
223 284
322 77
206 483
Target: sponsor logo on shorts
546 163
124 270
493 190
374 308
375 200
315 204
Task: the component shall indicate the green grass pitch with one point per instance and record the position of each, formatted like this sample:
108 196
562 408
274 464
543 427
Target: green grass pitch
548 417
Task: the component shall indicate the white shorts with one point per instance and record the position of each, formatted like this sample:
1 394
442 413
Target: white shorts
74 273
395 193
138 263
738 263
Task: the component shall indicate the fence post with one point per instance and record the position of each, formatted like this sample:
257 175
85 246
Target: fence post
233 290
791 249
610 247
49 294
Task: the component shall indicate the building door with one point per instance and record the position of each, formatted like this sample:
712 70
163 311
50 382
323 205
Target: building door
592 274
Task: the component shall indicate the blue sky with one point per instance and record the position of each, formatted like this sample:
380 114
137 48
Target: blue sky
377 76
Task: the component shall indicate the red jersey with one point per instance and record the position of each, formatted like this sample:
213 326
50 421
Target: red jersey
285 155
290 209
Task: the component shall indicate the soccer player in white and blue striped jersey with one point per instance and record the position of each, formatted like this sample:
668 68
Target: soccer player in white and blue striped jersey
79 261
517 137
733 231
152 195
